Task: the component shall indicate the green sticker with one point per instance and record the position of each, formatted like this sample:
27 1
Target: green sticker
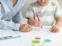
35 41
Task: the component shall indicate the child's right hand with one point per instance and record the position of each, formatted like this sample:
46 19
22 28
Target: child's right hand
37 23
34 22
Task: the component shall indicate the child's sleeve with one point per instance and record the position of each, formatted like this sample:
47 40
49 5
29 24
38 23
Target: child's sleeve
58 11
29 13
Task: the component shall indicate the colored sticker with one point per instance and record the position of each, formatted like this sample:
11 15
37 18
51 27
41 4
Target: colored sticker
33 45
35 41
43 43
37 38
47 40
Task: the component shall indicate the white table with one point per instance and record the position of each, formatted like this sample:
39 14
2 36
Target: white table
26 38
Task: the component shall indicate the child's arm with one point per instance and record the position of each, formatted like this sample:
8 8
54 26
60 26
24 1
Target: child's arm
33 22
30 15
58 24
58 18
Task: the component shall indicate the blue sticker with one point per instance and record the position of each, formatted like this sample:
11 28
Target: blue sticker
47 40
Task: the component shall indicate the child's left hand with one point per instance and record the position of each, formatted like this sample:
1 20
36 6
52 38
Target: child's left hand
55 28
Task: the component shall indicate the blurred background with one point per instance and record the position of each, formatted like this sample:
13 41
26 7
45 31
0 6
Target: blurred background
27 2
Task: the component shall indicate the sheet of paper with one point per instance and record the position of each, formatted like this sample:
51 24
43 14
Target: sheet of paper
44 34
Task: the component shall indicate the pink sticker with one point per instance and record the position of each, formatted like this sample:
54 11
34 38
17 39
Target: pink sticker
37 38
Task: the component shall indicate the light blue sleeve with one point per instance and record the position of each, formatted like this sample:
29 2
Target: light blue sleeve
17 18
19 6
8 25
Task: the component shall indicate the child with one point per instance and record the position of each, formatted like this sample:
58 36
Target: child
9 10
48 11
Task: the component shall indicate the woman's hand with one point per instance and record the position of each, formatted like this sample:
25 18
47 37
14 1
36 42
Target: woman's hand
25 28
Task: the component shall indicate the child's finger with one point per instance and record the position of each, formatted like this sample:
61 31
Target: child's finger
37 24
56 29
52 28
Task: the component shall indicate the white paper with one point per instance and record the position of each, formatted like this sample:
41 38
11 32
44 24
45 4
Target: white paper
43 33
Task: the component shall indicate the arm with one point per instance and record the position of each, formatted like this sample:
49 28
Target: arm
58 18
34 22
22 27
59 21
8 25
58 24
30 15
13 26
5 24
17 18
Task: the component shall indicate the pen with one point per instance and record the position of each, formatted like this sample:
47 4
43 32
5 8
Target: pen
9 37
2 38
38 18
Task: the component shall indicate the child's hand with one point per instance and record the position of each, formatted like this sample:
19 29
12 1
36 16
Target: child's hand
55 28
25 28
34 22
